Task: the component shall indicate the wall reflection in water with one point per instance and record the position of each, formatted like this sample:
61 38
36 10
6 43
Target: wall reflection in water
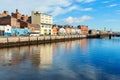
70 60
11 56
84 45
40 56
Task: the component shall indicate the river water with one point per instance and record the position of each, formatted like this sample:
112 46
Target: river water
85 59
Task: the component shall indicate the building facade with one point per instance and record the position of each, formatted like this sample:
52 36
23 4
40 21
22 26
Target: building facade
54 30
44 20
68 30
15 20
20 16
8 20
84 29
11 31
62 31
5 13
93 32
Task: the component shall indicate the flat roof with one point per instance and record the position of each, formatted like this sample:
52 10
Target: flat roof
42 13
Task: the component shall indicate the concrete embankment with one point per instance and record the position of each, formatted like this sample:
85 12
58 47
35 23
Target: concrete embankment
20 41
99 36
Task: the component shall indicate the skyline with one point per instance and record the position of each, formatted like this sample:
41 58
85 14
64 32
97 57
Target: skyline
94 13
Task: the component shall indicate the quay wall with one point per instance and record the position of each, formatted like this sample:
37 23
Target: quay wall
20 41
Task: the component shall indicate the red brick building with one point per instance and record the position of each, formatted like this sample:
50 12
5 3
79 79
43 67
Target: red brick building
18 20
15 20
35 27
8 20
5 13
54 30
17 15
84 29
23 24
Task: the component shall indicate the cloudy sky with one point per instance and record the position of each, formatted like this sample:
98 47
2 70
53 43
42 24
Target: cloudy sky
97 14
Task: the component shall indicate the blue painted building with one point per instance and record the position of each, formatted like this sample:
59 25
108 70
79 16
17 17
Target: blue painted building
7 30
20 32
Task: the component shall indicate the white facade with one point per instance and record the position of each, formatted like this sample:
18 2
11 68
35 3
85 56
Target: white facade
44 20
5 28
2 28
62 31
8 29
73 31
46 29
78 31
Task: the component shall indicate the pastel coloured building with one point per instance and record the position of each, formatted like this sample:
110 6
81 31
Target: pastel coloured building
84 29
54 30
44 20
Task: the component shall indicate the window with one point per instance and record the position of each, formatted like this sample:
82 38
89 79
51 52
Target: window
45 30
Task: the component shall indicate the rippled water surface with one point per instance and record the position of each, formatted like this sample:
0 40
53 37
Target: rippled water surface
85 59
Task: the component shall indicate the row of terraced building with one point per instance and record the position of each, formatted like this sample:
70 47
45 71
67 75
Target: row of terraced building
38 22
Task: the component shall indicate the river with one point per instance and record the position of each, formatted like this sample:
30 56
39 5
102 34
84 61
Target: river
85 59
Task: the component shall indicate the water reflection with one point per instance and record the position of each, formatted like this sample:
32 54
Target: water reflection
45 56
11 56
84 45
72 60
40 55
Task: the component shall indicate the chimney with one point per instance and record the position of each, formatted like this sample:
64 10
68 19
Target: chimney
4 12
17 11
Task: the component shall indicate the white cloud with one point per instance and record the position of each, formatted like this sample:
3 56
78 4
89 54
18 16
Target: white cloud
30 5
48 5
59 10
105 1
53 7
55 3
71 20
85 1
56 7
56 10
113 5
86 9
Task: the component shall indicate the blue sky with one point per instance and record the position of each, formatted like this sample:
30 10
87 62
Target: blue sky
97 14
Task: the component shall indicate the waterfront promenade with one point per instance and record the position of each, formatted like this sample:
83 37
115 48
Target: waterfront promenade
31 40
27 40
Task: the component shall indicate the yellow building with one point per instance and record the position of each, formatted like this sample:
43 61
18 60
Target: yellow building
44 20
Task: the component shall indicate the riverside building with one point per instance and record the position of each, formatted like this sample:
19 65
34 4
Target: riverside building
44 20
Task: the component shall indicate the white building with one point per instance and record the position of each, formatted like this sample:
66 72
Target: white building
62 31
44 20
5 29
78 31
73 31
